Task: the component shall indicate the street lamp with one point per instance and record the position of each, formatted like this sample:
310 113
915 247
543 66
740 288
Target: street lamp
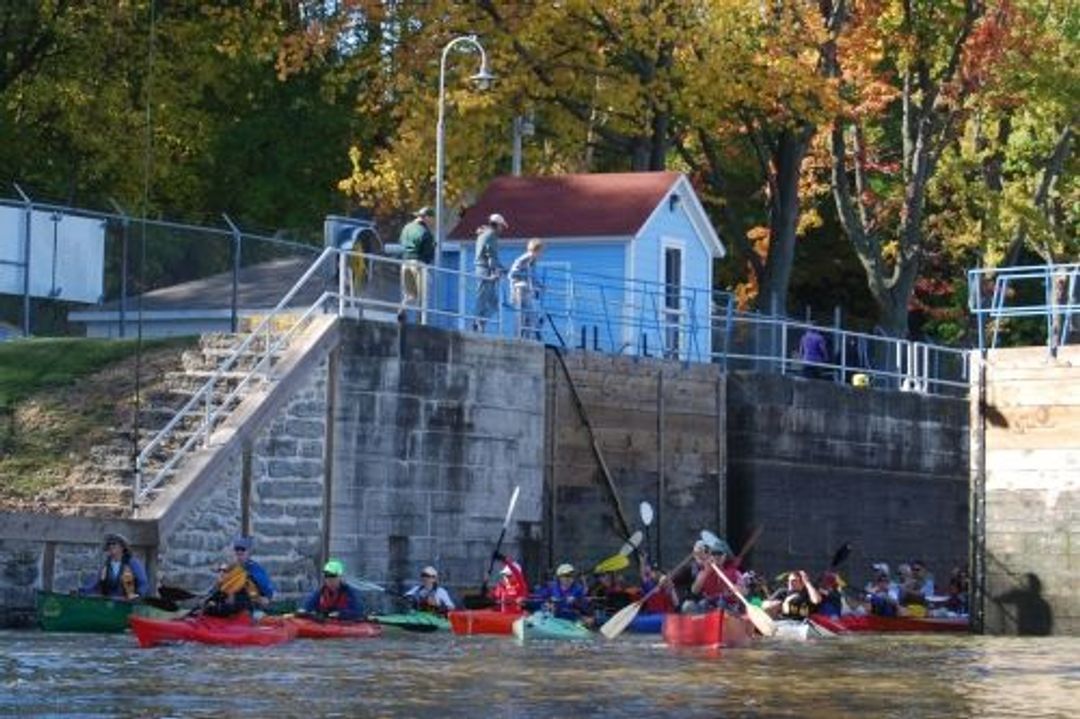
482 79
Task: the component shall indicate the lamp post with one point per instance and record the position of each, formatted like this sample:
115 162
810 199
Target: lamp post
482 79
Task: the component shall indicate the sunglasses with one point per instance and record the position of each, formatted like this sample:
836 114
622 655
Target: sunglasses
428 576
240 549
331 576
222 570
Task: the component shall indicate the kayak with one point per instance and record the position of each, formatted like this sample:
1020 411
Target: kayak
711 629
647 624
875 623
542 625
694 630
58 612
799 630
236 630
414 621
308 628
482 621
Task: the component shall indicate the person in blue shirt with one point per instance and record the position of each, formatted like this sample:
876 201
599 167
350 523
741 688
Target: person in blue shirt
335 599
122 576
565 596
242 586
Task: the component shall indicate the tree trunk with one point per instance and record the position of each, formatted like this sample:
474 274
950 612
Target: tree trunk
789 150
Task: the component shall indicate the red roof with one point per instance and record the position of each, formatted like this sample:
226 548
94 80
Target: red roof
585 205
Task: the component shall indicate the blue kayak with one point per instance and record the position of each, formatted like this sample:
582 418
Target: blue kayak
647 624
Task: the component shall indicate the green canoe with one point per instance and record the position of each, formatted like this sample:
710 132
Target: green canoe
545 626
414 621
76 613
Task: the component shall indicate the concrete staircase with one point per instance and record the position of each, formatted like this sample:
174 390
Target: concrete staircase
103 483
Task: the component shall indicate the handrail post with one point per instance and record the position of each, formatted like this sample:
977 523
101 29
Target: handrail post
342 265
783 346
238 239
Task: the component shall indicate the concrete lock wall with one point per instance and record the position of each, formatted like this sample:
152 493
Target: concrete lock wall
433 430
820 464
1029 427
660 429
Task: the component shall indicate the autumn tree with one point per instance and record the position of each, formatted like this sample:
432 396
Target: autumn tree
907 73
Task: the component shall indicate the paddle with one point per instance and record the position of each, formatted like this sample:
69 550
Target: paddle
620 561
619 621
716 545
646 511
161 603
757 616
498 544
754 536
175 594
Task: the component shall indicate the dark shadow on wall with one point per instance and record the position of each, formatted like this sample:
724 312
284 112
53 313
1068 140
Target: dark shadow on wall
1033 616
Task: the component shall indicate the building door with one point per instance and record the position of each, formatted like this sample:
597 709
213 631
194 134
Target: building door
673 310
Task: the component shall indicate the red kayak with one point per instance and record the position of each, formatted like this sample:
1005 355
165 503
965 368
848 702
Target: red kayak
694 630
236 630
307 628
482 621
711 629
875 623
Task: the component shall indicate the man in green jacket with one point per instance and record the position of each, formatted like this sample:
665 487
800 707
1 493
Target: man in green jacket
418 251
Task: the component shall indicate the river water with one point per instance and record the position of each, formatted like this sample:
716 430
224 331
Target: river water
440 676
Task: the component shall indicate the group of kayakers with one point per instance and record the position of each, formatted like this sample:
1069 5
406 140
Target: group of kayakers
708 580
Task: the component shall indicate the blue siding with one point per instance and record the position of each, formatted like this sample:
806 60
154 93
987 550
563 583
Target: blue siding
696 295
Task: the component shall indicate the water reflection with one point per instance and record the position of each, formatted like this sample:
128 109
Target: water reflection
435 675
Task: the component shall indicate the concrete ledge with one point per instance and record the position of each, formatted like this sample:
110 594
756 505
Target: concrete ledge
75 530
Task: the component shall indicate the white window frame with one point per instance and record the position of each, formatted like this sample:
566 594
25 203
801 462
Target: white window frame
676 243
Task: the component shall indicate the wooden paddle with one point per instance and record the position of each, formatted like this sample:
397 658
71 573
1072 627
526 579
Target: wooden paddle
161 603
175 594
498 544
757 616
619 621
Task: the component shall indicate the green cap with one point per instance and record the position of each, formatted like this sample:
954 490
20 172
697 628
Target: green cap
334 568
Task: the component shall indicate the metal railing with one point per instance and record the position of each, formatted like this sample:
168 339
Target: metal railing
1037 302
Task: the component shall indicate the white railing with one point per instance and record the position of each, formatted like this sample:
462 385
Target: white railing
687 324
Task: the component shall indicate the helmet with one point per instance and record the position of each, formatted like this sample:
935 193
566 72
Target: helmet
497 219
333 568
564 570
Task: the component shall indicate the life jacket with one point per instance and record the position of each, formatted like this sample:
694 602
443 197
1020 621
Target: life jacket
333 601
125 581
509 592
425 600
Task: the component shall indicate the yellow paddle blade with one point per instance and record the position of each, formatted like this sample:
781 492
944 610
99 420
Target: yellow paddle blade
233 580
615 563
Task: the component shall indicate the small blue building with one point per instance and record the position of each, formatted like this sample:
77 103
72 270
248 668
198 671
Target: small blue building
627 264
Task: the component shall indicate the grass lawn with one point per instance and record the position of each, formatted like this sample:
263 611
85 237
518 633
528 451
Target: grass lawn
59 397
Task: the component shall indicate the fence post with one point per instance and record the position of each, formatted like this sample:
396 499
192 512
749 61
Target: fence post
26 253
124 225
238 238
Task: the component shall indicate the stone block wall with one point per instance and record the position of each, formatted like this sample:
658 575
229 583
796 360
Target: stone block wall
432 431
1031 475
820 464
271 488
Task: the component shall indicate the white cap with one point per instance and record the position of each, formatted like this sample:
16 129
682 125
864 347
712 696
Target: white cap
700 546
429 571
564 570
497 219
881 567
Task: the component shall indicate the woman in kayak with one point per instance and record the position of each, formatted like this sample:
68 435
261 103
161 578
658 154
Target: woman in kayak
796 601
122 576
428 596
706 589
335 599
512 588
565 596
